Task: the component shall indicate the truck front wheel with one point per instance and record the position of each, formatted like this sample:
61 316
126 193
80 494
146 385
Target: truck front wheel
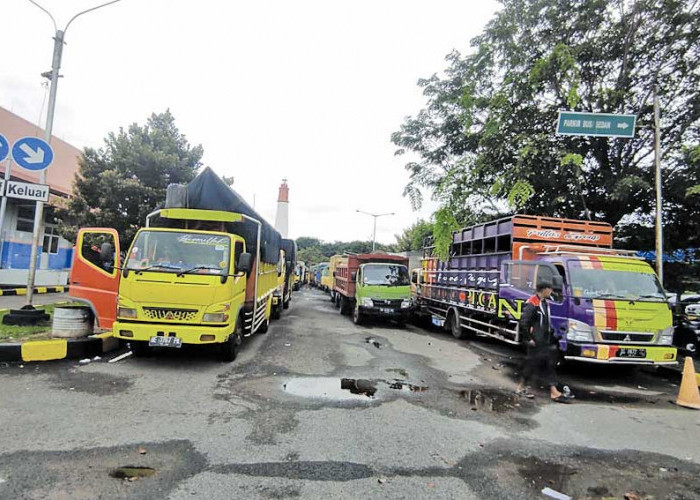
357 316
229 349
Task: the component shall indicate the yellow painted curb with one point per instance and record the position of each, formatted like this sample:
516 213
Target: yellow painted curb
21 291
104 335
44 350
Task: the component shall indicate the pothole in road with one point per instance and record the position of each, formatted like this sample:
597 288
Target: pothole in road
131 472
345 389
491 400
328 388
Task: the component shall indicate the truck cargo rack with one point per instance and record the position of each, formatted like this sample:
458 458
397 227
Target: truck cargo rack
582 250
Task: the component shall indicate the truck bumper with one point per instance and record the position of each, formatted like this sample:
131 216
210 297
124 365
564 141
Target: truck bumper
615 354
189 334
388 313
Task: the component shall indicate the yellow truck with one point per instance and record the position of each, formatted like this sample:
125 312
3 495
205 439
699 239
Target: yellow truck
333 263
202 273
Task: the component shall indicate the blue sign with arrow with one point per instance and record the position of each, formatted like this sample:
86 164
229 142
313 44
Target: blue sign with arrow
4 147
32 153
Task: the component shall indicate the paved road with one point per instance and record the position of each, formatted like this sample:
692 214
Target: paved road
276 424
17 301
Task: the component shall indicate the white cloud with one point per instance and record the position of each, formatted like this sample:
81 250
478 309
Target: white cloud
307 90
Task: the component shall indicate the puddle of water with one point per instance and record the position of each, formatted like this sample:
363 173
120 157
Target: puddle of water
400 385
326 388
490 400
131 472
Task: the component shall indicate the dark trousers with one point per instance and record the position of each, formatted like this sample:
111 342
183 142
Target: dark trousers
539 364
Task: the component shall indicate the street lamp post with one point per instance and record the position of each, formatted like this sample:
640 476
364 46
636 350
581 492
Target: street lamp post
53 76
374 231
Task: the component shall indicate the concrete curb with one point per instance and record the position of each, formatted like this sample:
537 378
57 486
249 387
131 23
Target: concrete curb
53 349
8 292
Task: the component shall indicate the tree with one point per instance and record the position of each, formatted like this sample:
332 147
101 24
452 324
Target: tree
412 237
485 142
312 250
121 183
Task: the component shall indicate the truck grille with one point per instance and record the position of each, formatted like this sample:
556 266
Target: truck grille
387 302
169 314
623 337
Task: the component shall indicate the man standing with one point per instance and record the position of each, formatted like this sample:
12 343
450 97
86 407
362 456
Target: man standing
541 344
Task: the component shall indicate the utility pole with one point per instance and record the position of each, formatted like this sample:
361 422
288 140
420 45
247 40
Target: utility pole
659 200
53 76
374 231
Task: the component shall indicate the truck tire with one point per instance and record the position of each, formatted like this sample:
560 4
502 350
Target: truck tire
357 316
265 326
337 301
229 349
344 306
455 326
277 311
285 305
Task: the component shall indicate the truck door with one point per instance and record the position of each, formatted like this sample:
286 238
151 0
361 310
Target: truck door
94 277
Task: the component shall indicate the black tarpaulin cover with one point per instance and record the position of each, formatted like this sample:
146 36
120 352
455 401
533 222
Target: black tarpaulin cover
290 252
208 192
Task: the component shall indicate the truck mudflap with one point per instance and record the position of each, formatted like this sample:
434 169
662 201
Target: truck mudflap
622 354
190 334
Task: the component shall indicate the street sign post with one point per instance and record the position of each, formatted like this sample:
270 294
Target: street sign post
32 153
596 124
4 147
26 191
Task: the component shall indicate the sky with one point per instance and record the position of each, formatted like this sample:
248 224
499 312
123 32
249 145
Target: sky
304 90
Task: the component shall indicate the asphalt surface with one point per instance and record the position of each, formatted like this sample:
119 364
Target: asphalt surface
442 422
17 301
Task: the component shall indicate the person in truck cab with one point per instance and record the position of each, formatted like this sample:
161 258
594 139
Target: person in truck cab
541 344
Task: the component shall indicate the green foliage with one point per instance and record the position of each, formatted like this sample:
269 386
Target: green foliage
121 183
445 225
485 142
312 250
413 236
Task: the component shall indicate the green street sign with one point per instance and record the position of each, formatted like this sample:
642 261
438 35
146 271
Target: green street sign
596 124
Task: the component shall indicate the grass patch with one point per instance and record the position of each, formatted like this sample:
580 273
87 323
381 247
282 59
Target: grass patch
14 333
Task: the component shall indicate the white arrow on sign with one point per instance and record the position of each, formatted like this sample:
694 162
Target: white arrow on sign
622 125
38 155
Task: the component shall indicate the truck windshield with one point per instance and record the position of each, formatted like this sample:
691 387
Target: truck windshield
178 252
615 284
385 274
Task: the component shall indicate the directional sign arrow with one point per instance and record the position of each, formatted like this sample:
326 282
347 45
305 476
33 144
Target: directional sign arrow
622 125
4 147
32 155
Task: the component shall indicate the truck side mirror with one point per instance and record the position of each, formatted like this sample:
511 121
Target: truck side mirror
289 264
353 276
335 275
558 284
245 263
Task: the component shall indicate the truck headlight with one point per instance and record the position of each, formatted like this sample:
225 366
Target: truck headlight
405 304
666 336
215 318
579 331
367 302
126 312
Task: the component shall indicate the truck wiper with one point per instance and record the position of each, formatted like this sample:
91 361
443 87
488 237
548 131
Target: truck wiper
154 266
650 296
610 296
196 268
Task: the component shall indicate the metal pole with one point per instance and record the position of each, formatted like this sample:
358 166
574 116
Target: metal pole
3 204
374 232
659 200
39 214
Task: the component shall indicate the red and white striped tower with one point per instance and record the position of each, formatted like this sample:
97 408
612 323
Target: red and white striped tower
282 217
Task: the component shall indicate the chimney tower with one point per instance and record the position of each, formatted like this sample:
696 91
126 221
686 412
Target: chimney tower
282 217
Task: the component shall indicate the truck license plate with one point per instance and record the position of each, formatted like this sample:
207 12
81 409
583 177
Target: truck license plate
437 321
627 352
165 342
